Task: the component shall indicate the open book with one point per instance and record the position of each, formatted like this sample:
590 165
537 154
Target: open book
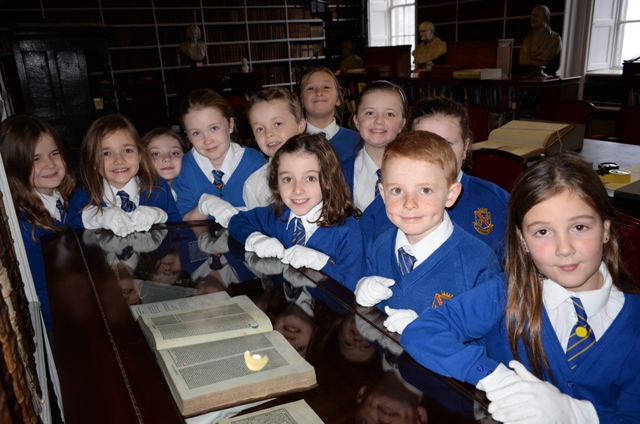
224 354
298 412
531 138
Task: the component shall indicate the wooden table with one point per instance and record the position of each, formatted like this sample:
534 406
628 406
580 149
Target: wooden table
108 374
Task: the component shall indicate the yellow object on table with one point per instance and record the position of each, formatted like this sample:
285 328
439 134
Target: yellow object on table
621 177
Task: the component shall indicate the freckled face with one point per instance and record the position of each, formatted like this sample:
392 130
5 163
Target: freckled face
448 128
565 238
166 154
48 166
210 133
299 182
415 194
273 124
120 159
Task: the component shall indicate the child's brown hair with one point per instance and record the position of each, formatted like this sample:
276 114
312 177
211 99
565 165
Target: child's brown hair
338 110
336 196
160 131
276 93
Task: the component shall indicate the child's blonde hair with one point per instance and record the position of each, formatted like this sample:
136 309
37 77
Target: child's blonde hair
91 156
339 109
543 180
19 136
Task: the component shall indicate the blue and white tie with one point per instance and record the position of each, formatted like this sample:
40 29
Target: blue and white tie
299 234
376 191
581 338
217 179
127 205
63 213
405 261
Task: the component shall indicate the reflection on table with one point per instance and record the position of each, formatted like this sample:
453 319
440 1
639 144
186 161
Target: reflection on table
363 375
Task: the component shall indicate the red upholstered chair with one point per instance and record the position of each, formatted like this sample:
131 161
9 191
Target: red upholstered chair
479 119
497 166
631 245
628 125
574 112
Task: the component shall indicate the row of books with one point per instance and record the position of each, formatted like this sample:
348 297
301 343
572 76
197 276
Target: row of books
306 50
170 35
269 51
273 74
177 16
224 15
125 37
228 33
267 32
133 17
305 31
266 14
227 53
122 60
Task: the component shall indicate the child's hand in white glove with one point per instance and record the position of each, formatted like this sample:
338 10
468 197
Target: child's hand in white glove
214 245
264 246
115 219
373 290
145 216
532 400
399 319
300 256
220 209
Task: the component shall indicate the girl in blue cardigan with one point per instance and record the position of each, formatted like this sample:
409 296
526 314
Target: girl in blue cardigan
322 100
41 184
564 317
215 167
313 221
122 191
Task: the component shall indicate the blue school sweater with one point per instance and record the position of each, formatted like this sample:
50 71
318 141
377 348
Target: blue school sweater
193 183
342 243
460 263
345 142
160 197
608 377
33 249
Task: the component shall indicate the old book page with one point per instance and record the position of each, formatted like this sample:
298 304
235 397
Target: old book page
298 412
235 317
217 374
178 304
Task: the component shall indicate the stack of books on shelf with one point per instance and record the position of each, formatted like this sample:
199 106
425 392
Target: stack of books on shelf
443 71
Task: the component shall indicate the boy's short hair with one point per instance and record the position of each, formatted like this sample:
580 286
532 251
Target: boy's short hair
423 146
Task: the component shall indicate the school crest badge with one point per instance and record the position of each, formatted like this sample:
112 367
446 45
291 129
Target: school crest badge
439 298
482 222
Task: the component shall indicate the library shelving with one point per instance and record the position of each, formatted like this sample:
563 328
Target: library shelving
505 98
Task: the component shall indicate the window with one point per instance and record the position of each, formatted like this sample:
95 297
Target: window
614 33
403 23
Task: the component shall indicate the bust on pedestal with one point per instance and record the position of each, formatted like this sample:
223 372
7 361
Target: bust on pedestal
193 47
429 48
541 45
350 61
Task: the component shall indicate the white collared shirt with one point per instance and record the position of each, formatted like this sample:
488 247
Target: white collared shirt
229 163
112 199
256 191
309 227
50 203
329 131
602 306
459 177
364 180
425 247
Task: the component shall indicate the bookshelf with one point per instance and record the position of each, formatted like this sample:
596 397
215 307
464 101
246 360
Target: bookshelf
277 37
505 99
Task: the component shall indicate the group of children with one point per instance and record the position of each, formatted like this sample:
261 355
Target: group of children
388 212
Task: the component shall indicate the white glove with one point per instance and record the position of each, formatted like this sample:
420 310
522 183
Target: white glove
220 209
115 219
373 290
265 266
112 243
264 246
297 278
372 334
147 242
399 319
145 216
499 378
300 256
210 244
535 401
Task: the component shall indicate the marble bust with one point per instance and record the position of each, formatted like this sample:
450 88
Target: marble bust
430 46
350 61
193 47
542 44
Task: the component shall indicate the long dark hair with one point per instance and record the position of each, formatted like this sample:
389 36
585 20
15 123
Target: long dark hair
336 196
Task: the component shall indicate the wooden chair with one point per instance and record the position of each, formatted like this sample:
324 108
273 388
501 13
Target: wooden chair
628 125
479 119
631 244
497 166
574 112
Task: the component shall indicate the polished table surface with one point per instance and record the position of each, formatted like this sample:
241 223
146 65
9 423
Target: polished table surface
108 373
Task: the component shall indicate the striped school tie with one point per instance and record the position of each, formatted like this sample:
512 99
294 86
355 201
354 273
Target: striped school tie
298 233
63 213
376 191
217 179
405 261
581 338
127 205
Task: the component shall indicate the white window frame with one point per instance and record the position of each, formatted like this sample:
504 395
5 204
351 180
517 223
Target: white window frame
380 26
605 43
397 40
